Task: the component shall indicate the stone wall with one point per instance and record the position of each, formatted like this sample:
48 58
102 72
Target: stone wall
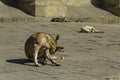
110 5
43 8
55 8
50 8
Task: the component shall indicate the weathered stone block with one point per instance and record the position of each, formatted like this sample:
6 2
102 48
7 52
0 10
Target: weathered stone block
50 10
46 8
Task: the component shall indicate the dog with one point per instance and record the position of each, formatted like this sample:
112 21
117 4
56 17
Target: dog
90 29
60 19
41 46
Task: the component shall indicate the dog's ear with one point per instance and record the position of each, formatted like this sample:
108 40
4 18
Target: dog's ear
57 37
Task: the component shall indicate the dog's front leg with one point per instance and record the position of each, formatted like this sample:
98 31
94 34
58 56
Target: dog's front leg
48 56
42 60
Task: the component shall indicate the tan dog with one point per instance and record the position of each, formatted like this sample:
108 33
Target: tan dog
40 46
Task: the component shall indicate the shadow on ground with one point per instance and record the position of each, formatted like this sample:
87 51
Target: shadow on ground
26 62
20 61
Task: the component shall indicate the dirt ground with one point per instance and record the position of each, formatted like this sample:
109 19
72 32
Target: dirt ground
88 56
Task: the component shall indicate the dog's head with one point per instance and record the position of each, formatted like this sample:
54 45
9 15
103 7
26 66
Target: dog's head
58 48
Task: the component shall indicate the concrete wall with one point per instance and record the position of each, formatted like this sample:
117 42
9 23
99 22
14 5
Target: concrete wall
50 8
54 8
43 8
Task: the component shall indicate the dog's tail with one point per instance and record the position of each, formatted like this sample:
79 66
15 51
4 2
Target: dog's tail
99 31
56 57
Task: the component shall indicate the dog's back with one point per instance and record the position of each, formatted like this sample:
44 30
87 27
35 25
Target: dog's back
29 47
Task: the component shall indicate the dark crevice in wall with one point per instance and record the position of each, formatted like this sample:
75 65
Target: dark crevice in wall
109 5
12 3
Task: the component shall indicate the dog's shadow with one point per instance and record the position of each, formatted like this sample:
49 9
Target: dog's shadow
20 61
26 62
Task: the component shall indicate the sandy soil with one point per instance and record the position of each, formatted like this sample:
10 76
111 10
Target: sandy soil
88 56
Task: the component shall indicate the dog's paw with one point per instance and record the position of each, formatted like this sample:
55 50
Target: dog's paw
44 62
36 65
57 64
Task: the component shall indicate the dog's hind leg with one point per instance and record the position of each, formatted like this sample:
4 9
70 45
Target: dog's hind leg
36 51
48 56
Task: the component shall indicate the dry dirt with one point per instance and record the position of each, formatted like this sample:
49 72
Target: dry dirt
88 56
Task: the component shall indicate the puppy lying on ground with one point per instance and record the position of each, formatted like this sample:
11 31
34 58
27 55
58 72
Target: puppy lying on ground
90 29
59 19
40 46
